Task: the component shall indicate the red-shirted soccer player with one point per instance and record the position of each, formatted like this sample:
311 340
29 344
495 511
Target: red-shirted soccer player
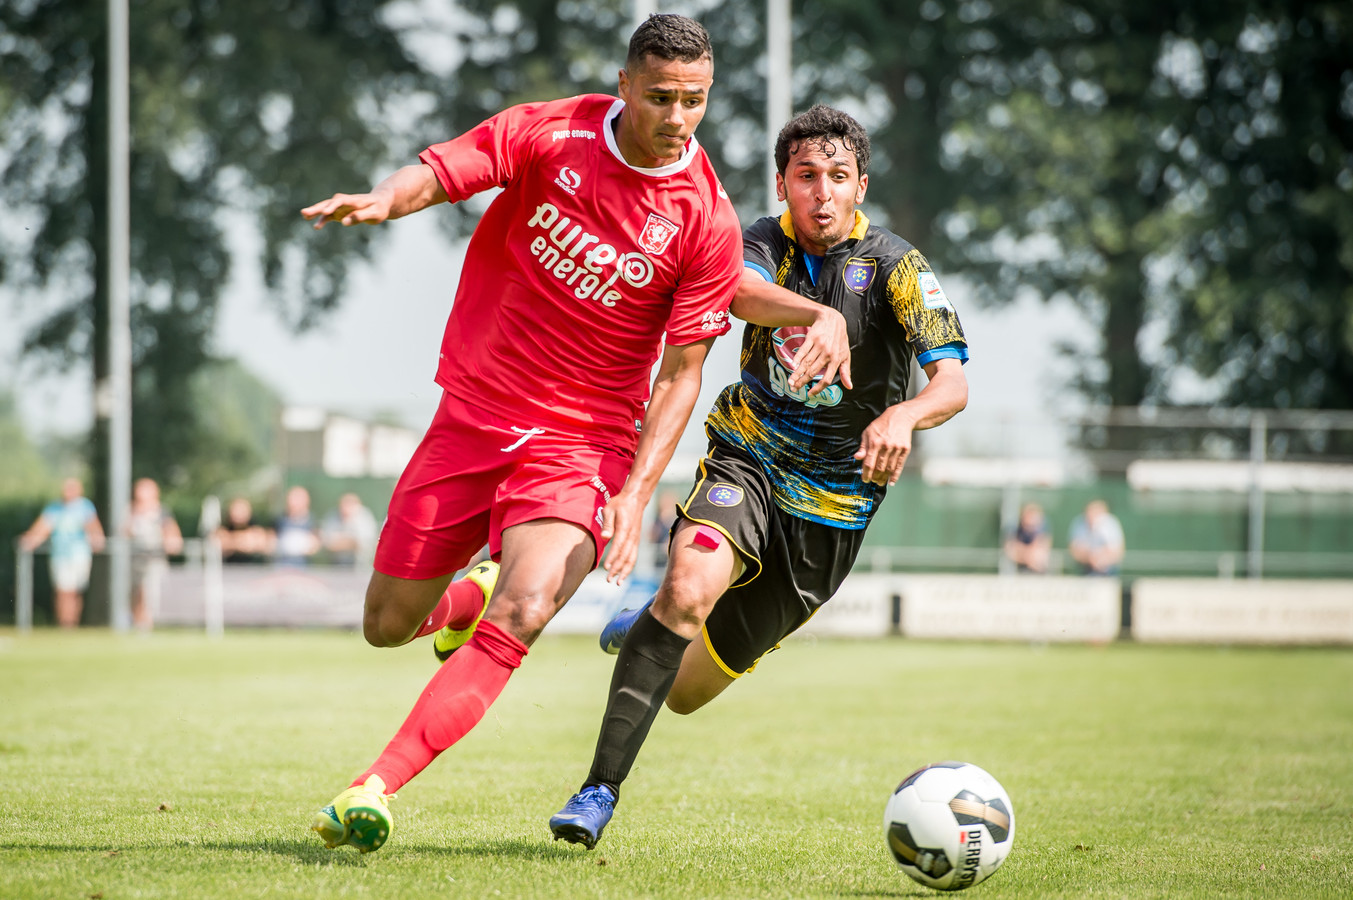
611 230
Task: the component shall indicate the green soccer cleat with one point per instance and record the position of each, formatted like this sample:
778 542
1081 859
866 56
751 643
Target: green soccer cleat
448 640
359 817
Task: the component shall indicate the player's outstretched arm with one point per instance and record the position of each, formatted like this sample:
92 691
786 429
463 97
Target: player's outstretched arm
406 191
675 390
826 347
886 443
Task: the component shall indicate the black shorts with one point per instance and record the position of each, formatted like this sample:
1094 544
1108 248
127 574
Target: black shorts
793 566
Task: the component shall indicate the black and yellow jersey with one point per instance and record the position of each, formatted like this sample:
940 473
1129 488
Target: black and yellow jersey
895 310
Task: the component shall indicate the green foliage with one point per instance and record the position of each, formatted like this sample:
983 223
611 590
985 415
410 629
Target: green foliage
231 440
1184 173
16 515
25 474
1187 171
177 766
238 114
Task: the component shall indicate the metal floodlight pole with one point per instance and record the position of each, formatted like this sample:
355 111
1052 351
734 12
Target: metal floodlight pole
119 312
779 83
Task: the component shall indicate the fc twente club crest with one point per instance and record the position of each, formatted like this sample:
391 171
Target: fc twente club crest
657 234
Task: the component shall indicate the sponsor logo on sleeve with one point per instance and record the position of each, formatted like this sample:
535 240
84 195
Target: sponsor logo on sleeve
657 234
714 321
859 274
931 292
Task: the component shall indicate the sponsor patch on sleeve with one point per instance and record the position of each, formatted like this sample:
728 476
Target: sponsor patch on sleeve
931 293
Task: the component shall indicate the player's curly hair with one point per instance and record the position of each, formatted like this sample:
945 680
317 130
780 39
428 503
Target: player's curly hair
824 126
668 37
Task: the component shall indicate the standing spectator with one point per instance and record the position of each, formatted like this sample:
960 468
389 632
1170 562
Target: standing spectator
242 539
1029 546
76 535
1097 540
349 532
154 535
295 530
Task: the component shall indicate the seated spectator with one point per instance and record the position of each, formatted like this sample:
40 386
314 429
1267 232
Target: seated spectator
1029 546
242 539
1097 543
297 540
154 536
349 532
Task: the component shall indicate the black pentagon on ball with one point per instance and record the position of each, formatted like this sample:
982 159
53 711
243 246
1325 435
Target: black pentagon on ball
995 816
930 860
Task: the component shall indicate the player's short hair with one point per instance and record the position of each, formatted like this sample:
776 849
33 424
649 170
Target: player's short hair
668 37
824 126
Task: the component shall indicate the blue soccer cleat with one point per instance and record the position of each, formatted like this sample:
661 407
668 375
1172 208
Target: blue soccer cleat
613 634
584 816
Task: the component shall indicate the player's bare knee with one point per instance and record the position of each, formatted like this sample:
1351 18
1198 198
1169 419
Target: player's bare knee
684 602
523 615
377 631
381 626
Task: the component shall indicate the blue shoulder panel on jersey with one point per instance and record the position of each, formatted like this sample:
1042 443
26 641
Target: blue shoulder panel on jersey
755 268
955 350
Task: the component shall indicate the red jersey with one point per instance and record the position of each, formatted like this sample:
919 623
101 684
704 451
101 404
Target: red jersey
578 267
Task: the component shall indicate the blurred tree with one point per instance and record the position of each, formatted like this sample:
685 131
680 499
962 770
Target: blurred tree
519 51
25 474
235 439
239 117
1186 174
1258 273
1183 173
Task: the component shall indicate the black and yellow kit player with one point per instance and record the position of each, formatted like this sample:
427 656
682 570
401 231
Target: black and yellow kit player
796 467
781 480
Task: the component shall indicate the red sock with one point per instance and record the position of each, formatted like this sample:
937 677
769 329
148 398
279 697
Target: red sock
458 607
452 703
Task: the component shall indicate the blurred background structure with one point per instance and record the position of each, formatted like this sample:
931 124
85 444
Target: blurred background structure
1144 214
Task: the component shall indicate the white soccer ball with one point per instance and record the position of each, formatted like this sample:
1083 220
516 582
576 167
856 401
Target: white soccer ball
949 825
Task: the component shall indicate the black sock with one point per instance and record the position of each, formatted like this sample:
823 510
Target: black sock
644 672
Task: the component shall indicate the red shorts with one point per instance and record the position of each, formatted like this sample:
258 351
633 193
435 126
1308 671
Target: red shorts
475 474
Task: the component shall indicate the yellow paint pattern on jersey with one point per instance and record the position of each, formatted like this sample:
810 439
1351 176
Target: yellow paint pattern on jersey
790 464
904 294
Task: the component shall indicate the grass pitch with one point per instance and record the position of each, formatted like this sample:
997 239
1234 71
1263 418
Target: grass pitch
174 766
